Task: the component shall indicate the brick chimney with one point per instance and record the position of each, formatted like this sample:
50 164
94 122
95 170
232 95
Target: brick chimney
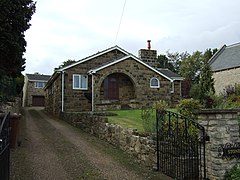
148 56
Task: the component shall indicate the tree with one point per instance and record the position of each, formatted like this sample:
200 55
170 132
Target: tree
15 16
206 82
65 63
191 66
176 59
164 62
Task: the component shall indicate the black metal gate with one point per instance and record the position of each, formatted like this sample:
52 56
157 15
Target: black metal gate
180 146
4 147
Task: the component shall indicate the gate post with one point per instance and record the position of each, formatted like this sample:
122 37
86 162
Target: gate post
222 127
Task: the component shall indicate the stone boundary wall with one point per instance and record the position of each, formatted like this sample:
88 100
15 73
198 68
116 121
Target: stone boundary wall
143 148
222 126
13 107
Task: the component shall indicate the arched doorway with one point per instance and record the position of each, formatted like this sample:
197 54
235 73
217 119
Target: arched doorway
117 89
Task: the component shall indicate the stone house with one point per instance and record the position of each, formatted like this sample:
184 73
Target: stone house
111 79
225 65
33 92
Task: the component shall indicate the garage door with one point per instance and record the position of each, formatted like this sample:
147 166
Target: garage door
38 101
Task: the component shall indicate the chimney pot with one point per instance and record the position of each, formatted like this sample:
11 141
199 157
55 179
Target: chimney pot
149 44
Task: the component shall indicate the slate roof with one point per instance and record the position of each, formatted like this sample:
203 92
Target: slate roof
170 74
38 77
227 57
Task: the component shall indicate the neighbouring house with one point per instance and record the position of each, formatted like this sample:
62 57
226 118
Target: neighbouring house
111 79
33 92
225 65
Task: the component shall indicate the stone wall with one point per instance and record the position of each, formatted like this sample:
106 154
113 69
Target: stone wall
225 78
222 126
13 107
143 148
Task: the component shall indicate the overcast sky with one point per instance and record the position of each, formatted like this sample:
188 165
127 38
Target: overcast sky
75 29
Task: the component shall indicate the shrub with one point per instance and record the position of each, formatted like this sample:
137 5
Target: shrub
186 107
149 116
208 102
234 173
228 91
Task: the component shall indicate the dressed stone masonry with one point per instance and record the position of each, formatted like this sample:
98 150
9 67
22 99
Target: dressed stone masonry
222 126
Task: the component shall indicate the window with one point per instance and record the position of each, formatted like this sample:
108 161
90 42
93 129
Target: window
39 84
80 82
172 87
154 83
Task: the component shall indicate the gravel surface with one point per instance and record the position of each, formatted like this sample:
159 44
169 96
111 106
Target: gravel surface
52 149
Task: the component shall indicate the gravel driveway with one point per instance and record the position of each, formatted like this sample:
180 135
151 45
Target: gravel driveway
52 149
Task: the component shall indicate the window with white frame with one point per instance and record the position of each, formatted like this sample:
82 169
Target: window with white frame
39 84
80 81
154 83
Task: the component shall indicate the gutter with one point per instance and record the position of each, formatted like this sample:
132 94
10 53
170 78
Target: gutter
63 91
92 93
92 72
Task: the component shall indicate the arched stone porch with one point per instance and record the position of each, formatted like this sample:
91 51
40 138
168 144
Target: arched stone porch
115 90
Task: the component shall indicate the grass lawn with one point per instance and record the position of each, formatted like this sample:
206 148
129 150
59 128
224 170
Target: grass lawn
128 119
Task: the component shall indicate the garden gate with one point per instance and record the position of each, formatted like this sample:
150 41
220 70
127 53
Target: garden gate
4 147
180 146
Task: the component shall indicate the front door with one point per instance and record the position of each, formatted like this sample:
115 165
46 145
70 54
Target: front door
111 87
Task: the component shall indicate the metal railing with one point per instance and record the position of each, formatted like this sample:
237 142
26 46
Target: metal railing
4 147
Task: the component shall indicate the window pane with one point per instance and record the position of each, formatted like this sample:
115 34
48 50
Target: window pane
39 84
84 81
76 81
154 82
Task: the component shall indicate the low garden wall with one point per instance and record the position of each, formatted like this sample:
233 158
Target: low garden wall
143 148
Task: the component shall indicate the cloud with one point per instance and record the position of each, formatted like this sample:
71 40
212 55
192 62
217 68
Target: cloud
75 29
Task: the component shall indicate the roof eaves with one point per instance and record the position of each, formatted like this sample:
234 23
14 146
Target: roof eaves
52 78
92 71
94 56
177 78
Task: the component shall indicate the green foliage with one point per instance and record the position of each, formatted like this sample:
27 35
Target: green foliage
65 63
206 82
149 116
176 59
164 62
7 88
229 98
194 91
191 66
160 105
234 173
197 71
15 16
186 107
